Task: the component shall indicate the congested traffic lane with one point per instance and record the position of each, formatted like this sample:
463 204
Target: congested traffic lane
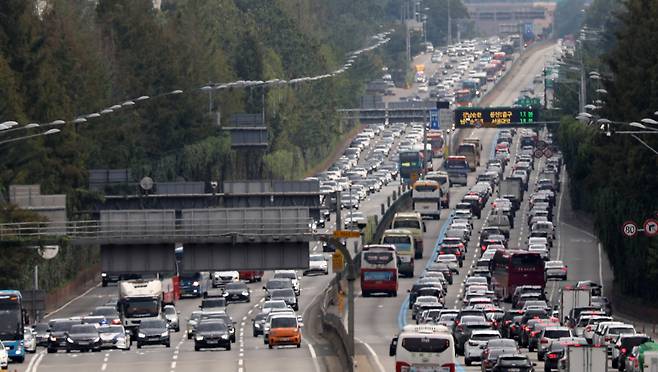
247 352
378 319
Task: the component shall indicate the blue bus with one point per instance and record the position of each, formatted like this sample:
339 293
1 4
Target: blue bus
11 323
411 165
457 168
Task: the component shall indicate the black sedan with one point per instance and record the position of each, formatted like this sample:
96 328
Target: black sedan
258 324
212 333
234 292
153 332
59 328
83 337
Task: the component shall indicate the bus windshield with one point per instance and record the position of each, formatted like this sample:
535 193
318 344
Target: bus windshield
526 262
378 258
453 163
466 149
10 319
410 159
425 188
425 344
406 224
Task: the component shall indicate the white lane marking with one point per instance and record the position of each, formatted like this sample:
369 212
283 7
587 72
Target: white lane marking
173 365
314 356
174 357
240 362
72 300
374 356
240 369
581 230
29 365
34 362
104 367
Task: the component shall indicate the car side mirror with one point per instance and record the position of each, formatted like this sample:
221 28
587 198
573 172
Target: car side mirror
393 347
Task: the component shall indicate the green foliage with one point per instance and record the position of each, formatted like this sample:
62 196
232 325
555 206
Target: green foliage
614 178
569 15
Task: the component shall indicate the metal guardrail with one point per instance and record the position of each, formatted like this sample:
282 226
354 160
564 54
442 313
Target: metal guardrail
147 229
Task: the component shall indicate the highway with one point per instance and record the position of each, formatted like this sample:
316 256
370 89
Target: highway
378 319
247 354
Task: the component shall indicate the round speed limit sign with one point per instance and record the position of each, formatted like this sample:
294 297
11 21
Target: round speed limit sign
629 228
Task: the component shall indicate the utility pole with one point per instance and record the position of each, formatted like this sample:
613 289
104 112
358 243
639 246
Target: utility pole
545 90
425 123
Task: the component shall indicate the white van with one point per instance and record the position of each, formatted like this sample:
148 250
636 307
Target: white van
403 241
424 347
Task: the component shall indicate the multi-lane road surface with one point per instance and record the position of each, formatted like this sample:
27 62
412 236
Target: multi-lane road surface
378 319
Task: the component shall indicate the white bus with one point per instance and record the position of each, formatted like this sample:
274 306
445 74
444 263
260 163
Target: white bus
424 347
426 198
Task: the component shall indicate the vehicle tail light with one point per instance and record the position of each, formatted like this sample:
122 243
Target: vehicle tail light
458 253
564 269
623 350
402 367
116 321
484 248
588 328
526 328
544 340
552 356
533 334
460 327
607 338
508 322
451 367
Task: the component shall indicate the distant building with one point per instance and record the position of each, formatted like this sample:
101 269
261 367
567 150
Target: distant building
500 17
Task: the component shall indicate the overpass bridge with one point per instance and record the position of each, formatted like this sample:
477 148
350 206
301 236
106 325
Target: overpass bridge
143 241
392 112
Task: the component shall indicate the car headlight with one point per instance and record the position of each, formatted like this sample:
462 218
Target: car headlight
225 337
199 338
53 338
195 284
245 293
258 325
69 339
140 334
165 334
97 339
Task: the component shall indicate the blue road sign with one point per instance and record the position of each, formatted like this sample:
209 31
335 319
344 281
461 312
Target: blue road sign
434 119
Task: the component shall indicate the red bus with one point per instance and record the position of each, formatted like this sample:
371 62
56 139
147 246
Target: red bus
464 97
379 270
512 268
435 140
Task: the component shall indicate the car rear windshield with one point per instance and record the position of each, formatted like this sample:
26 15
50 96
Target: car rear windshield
284 322
484 337
557 333
514 362
62 326
425 344
620 330
630 342
212 327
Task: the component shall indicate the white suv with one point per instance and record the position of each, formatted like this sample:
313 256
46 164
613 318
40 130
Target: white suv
221 278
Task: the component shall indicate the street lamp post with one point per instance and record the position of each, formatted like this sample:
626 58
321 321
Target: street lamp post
46 133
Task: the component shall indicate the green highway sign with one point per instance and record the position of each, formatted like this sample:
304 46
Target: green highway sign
495 117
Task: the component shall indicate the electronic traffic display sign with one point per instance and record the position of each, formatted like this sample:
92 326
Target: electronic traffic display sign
495 117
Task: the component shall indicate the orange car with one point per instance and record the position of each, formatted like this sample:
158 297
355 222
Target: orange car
285 330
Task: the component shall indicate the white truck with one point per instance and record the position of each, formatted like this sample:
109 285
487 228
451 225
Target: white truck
139 299
571 298
584 359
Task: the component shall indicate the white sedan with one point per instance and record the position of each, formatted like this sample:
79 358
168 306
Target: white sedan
317 263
